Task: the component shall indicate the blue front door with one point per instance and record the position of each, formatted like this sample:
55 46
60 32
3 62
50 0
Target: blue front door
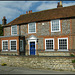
32 48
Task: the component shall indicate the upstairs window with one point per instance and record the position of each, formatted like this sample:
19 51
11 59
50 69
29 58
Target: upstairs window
55 25
32 28
14 30
5 45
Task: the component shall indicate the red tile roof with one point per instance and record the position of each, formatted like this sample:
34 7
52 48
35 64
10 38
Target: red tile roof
57 13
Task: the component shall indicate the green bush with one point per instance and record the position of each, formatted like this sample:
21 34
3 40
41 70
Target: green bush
3 64
73 61
71 55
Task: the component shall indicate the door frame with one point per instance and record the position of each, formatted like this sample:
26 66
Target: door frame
29 45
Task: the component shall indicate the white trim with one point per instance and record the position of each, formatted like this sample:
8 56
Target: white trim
22 46
11 30
53 44
58 44
59 26
35 28
10 45
29 45
2 45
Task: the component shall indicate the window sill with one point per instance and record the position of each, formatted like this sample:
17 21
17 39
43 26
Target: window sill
55 31
13 50
4 50
49 50
31 33
14 34
62 50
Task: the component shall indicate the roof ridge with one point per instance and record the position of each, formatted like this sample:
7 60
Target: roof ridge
47 10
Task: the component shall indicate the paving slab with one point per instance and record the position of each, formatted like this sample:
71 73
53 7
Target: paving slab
27 70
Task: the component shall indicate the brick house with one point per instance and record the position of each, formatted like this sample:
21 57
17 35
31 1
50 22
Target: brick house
40 33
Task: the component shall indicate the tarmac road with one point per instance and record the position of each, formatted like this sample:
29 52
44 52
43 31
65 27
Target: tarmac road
26 70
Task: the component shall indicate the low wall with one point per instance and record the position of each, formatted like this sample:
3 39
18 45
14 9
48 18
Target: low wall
54 63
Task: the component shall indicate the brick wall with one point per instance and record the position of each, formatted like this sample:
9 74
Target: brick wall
73 26
7 31
9 52
0 43
43 30
66 26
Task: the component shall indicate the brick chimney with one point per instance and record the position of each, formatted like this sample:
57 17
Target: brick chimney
59 4
4 21
26 12
30 11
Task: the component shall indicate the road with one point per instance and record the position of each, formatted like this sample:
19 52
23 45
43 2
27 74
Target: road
26 70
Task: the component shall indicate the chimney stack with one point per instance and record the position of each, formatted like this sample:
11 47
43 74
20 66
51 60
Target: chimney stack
4 21
59 4
26 12
30 11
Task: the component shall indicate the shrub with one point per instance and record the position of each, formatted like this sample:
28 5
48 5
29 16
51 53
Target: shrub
3 64
73 61
71 55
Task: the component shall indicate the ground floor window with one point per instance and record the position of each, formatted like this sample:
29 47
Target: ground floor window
5 45
13 45
21 45
63 44
49 44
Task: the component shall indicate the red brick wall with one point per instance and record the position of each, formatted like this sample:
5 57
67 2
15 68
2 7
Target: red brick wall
10 38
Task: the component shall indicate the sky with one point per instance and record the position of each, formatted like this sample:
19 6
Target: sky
13 9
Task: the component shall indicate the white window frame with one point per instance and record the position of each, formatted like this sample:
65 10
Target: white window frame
62 49
2 45
22 46
10 45
11 30
35 28
59 26
53 44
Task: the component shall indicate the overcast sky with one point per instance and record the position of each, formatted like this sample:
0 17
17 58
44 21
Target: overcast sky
13 9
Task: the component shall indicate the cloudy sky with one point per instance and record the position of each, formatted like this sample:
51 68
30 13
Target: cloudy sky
13 9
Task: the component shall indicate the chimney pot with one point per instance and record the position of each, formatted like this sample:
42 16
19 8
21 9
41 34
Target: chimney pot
59 4
31 11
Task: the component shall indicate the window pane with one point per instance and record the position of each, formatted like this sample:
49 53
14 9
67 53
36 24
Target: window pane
21 45
31 27
49 44
5 45
62 43
13 45
55 25
14 29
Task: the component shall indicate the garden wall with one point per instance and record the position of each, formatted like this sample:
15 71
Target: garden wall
42 62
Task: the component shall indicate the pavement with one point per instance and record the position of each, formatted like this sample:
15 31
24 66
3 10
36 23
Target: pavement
26 70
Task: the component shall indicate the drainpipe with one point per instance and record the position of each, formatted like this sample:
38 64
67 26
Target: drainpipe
19 39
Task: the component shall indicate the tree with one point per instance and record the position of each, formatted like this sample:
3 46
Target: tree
1 30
